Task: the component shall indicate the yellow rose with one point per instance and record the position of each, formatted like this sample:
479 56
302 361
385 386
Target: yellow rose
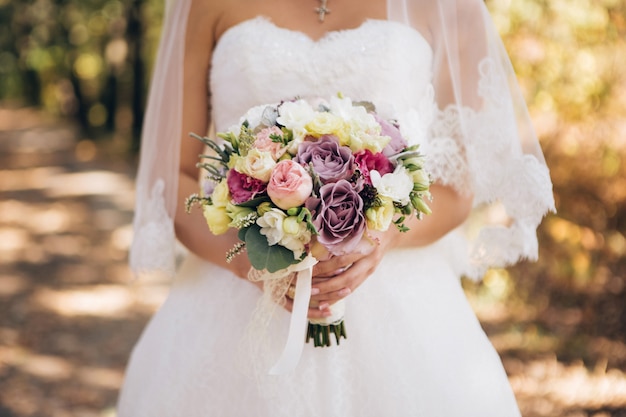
217 218
257 164
326 123
379 218
221 195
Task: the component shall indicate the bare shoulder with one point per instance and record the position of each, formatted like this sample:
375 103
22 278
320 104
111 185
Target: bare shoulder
203 18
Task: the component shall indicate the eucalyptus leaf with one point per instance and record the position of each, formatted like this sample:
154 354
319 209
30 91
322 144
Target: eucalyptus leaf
263 256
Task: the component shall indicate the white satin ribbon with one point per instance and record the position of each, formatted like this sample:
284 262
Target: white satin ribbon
297 326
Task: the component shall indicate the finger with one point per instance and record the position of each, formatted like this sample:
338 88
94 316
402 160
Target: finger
315 312
343 284
332 297
330 267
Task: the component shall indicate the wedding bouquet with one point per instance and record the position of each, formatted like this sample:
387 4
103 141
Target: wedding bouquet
301 176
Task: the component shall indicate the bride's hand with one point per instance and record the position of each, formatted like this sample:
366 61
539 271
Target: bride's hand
339 276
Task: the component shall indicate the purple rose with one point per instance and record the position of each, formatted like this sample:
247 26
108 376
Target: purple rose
338 217
368 161
242 187
397 143
330 161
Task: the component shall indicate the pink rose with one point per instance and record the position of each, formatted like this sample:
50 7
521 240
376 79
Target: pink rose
290 185
368 161
264 142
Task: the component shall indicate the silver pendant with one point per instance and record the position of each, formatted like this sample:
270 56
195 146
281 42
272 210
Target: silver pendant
322 10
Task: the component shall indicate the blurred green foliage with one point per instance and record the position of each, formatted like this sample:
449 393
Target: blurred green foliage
86 59
569 57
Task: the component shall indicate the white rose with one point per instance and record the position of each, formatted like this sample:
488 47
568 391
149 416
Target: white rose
396 185
294 115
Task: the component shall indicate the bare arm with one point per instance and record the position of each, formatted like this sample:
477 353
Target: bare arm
191 229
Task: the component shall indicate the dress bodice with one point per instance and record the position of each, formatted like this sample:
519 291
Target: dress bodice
256 62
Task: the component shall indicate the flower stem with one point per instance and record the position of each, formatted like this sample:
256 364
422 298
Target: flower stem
320 333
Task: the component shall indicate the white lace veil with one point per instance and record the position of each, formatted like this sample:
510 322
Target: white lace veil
481 140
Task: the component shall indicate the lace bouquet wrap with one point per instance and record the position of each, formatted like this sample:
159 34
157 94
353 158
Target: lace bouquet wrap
304 180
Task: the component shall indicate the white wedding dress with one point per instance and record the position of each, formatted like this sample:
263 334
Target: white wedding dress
414 347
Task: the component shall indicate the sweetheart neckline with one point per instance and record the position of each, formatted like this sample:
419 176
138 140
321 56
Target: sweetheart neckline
326 36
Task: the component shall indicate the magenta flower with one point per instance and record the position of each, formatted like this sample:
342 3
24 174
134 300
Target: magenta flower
338 217
368 161
330 161
244 188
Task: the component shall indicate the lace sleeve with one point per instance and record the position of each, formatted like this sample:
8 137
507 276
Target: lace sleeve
153 247
476 132
512 189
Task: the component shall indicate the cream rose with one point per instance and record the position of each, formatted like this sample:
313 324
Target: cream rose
257 164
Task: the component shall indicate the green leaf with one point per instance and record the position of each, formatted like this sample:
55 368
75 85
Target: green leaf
263 256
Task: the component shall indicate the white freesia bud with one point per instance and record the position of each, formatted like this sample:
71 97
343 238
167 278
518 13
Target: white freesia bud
421 177
291 225
296 236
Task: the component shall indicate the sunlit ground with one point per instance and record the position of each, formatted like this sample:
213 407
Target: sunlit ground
70 312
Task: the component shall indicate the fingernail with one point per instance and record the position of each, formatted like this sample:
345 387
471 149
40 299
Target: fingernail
345 292
315 291
323 306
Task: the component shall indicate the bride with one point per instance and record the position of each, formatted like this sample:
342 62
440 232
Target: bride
415 348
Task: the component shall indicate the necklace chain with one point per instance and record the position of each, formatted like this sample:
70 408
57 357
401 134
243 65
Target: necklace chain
322 10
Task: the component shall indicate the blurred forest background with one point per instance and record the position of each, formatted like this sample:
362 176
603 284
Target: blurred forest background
73 81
